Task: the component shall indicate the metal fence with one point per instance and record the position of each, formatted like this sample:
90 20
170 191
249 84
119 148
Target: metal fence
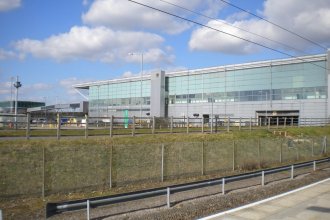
27 126
54 168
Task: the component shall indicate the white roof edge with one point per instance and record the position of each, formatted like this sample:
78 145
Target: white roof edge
311 58
256 64
103 82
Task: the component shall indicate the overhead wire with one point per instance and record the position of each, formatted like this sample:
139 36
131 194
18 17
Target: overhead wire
239 28
277 25
220 31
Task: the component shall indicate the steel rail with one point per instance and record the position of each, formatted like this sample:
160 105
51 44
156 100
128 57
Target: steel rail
56 208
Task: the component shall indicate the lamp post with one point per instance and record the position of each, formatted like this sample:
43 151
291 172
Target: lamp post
141 75
11 95
17 85
45 108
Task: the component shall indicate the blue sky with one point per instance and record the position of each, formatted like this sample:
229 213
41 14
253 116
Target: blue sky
53 44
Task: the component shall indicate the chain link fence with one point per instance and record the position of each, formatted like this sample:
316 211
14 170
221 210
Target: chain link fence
44 170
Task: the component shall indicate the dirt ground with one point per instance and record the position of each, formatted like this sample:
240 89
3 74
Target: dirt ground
202 202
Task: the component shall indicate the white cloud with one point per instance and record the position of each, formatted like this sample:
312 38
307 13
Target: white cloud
309 19
4 88
127 74
6 5
26 92
97 44
85 2
125 15
7 55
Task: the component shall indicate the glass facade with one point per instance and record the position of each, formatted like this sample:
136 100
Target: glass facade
282 82
256 82
104 98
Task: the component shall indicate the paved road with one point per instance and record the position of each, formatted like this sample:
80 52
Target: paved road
312 203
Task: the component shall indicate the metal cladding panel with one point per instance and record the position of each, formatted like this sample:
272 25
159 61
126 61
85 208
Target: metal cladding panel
157 98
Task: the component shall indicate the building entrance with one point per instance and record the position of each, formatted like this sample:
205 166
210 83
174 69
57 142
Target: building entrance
278 117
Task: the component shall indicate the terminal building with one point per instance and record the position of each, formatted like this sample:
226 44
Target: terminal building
294 87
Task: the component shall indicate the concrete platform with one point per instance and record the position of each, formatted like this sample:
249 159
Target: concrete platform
311 202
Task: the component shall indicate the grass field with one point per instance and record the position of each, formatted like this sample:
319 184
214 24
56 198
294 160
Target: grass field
76 168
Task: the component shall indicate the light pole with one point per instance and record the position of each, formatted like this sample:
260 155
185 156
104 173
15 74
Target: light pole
11 94
17 85
141 75
45 108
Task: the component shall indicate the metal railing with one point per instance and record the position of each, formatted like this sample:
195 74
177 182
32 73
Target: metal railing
56 208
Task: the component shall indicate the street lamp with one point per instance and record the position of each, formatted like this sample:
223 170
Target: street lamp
45 108
17 85
140 54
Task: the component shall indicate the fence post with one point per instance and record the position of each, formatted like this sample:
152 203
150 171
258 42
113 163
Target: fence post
281 151
43 173
171 124
268 123
250 123
111 125
58 126
153 124
162 164
187 124
292 122
228 124
292 170
168 197
133 126
297 153
202 158
314 165
277 122
325 144
110 166
262 178
211 123
259 152
223 186
88 207
202 125
86 126
28 119
312 147
234 149
284 122
240 121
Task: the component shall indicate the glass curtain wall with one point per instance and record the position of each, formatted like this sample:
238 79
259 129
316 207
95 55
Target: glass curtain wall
107 98
283 82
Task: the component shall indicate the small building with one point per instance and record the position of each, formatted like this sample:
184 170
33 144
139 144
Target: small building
8 107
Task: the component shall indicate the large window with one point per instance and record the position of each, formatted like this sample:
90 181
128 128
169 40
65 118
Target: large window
283 82
103 97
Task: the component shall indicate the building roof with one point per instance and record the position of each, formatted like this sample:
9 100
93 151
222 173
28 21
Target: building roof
307 59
